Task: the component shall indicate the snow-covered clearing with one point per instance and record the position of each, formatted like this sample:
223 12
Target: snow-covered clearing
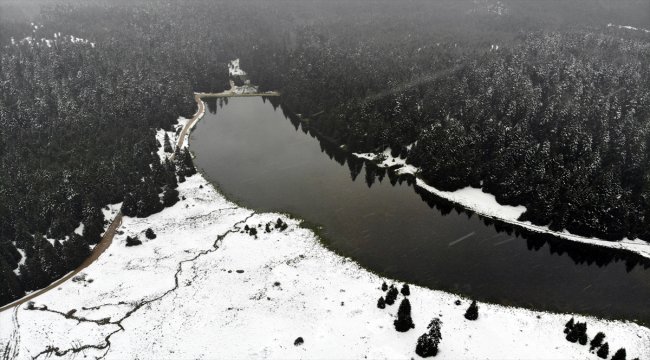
204 288
485 204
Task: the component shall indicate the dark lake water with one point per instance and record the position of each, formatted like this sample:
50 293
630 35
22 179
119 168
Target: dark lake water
267 161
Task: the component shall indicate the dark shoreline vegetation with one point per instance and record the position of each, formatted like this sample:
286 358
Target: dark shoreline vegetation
557 119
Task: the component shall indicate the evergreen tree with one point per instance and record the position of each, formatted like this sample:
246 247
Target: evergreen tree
130 205
22 238
150 234
427 345
472 311
384 286
133 241
159 173
170 174
404 323
170 196
406 291
597 341
581 329
603 352
148 202
10 287
188 164
10 254
49 260
578 333
93 225
75 251
166 144
25 278
381 303
58 247
33 276
391 295
569 326
620 354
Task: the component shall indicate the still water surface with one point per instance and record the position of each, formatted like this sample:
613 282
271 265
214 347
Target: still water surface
266 161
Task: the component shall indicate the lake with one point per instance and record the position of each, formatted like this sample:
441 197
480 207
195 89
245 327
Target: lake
262 157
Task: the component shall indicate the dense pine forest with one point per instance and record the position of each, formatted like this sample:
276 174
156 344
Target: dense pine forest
543 106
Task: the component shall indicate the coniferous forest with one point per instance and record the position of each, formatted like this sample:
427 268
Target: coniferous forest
543 106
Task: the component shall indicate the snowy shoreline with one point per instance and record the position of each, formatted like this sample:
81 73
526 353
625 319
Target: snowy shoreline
205 288
485 204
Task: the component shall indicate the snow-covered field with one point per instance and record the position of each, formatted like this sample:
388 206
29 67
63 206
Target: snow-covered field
204 289
485 204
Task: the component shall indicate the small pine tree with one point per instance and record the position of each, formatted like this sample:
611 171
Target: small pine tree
148 202
425 346
384 286
406 291
428 342
170 196
597 341
581 330
170 174
381 303
569 326
150 234
603 352
472 311
391 295
167 144
184 163
620 354
404 322
10 287
130 205
133 241
572 336
75 251
93 224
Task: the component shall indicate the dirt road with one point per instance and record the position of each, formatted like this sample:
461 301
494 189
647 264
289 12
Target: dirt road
107 239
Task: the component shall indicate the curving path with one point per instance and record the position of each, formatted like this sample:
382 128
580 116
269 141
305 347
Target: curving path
107 238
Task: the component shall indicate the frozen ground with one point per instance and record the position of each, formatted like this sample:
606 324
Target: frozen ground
486 204
204 289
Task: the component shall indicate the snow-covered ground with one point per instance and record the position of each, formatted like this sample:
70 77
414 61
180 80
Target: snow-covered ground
627 27
58 38
204 288
234 69
486 204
